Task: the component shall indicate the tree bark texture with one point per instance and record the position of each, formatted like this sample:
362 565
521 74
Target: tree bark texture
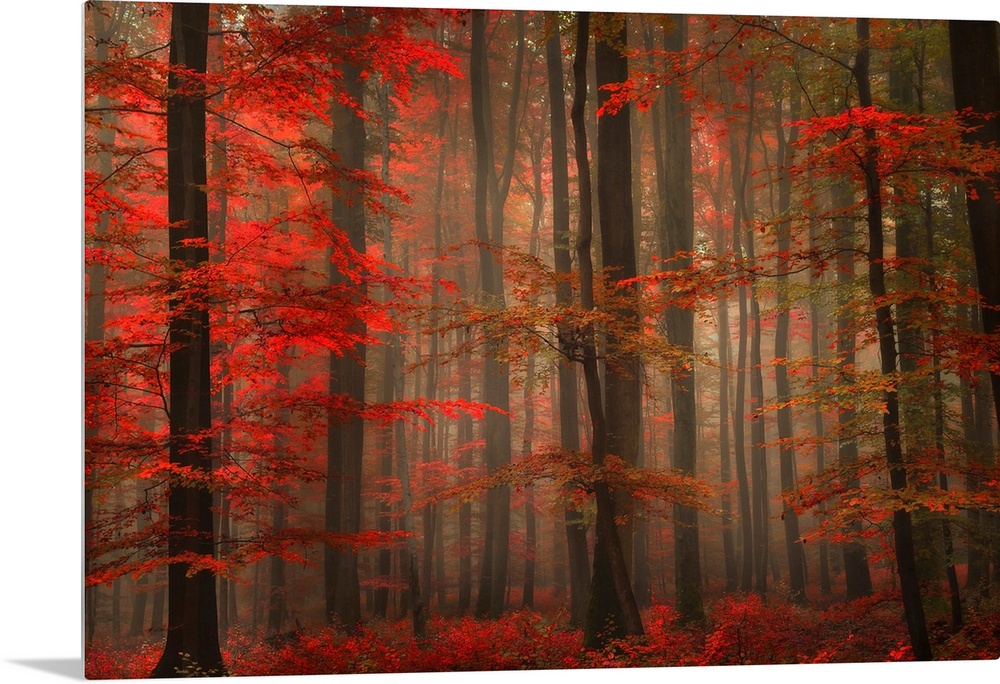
192 644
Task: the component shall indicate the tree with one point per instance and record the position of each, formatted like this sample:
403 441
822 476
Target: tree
569 431
345 436
491 193
192 644
793 546
902 524
976 80
676 249
613 610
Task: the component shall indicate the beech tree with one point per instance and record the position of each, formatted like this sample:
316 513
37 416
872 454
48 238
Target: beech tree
676 247
569 431
192 620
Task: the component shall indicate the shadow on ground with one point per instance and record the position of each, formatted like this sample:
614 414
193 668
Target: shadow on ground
71 668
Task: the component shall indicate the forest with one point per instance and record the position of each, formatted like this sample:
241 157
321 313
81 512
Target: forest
448 340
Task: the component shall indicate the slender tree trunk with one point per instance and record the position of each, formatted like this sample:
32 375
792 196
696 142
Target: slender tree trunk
725 449
901 522
491 193
387 386
679 233
815 317
758 451
137 623
793 547
412 564
569 414
192 617
612 610
857 575
97 286
465 435
530 524
739 174
277 608
431 512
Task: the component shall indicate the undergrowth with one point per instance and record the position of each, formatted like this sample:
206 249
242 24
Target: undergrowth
740 629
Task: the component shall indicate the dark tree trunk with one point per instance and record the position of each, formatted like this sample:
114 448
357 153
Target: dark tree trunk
975 65
902 524
192 619
612 610
156 613
678 226
491 193
345 434
623 386
569 414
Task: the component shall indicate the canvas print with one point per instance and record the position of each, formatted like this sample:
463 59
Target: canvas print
457 340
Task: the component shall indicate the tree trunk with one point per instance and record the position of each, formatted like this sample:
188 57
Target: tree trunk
386 391
975 66
431 511
277 609
815 316
569 414
465 435
612 611
491 193
739 175
857 575
96 289
530 524
345 434
678 226
758 451
192 643
901 522
793 547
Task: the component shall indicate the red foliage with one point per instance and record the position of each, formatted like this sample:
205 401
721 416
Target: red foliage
741 630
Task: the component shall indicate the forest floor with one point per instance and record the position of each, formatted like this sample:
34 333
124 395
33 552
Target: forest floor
739 630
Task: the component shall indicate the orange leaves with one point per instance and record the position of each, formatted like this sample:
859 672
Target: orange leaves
575 471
